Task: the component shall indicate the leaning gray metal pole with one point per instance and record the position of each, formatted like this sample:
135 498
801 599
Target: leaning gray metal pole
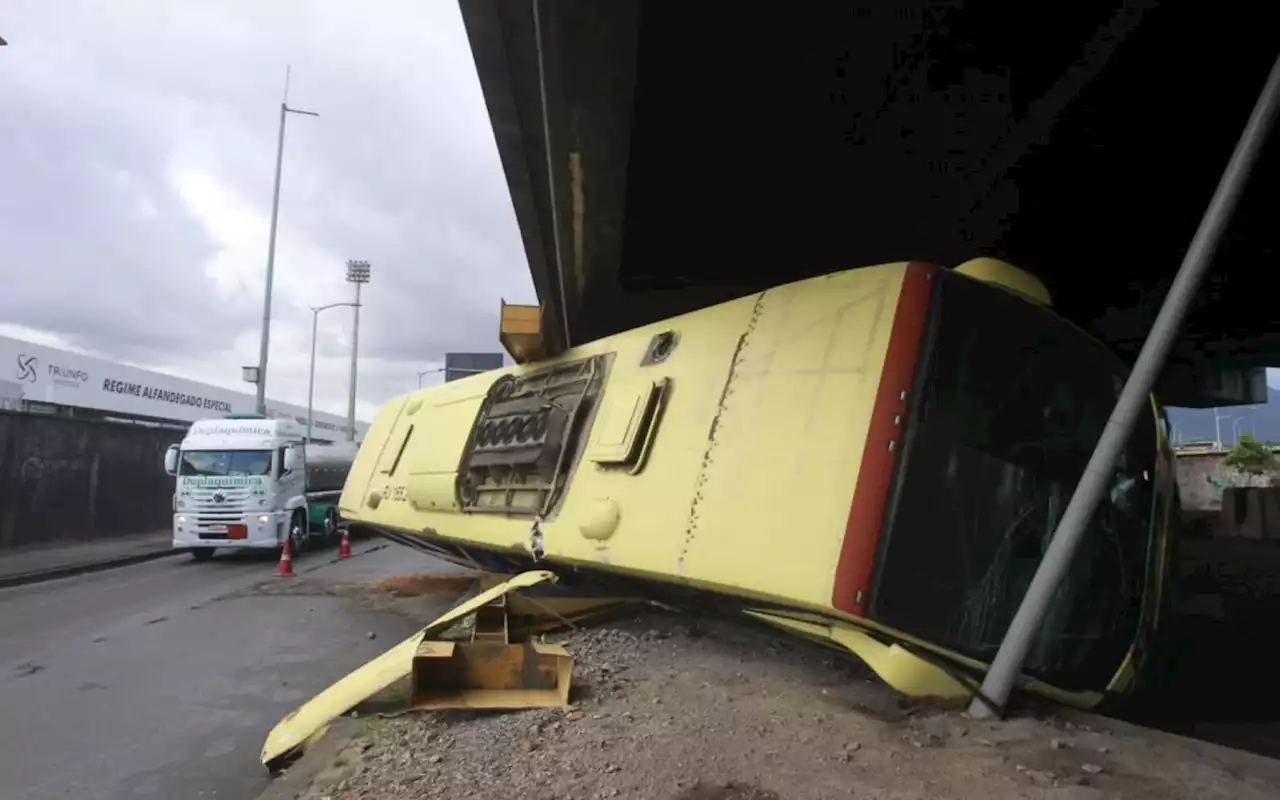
1057 558
311 382
355 351
271 268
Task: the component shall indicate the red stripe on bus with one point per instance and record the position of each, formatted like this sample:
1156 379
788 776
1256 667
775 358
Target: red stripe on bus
884 437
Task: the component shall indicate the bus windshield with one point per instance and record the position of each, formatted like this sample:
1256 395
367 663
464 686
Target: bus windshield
1011 404
225 462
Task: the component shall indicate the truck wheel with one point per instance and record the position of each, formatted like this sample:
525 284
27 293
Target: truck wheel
201 553
298 531
331 525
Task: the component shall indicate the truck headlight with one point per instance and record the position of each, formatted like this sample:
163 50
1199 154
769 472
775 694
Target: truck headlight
264 519
180 519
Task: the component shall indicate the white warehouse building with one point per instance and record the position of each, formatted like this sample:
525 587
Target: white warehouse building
47 380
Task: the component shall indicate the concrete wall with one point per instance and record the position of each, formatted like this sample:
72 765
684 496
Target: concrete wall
67 479
1222 503
1202 478
1249 513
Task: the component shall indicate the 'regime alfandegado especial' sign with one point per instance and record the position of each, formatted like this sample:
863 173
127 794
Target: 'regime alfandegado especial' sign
49 375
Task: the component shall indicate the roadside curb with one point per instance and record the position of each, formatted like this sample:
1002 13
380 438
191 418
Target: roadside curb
335 560
40 576
83 568
1230 759
317 759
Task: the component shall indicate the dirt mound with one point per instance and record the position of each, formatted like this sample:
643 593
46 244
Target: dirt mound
420 584
729 791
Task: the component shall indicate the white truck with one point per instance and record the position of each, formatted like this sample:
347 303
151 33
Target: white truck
245 481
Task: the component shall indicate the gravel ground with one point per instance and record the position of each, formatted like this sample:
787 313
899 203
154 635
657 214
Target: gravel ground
670 710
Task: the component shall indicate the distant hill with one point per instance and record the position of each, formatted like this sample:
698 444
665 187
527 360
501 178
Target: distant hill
1262 420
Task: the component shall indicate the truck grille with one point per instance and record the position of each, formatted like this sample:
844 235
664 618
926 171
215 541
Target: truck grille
218 506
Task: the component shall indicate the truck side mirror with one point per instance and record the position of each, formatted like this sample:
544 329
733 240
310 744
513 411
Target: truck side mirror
171 460
290 459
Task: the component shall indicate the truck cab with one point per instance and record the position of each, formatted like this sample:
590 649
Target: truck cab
243 483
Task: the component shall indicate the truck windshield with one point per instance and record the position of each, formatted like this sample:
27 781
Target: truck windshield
225 462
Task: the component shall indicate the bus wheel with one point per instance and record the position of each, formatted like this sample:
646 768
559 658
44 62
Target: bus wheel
298 531
201 553
331 525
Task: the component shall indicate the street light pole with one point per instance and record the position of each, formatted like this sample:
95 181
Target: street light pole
357 273
1235 429
311 384
271 248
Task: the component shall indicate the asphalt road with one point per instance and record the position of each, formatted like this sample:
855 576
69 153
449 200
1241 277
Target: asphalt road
162 679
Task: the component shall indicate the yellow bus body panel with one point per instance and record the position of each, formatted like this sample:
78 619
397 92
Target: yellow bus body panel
748 485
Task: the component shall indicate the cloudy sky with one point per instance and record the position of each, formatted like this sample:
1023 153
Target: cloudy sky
139 146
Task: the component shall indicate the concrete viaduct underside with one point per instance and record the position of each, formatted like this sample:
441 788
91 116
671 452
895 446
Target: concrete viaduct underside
687 154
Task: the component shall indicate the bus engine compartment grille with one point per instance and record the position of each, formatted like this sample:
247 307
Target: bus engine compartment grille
519 452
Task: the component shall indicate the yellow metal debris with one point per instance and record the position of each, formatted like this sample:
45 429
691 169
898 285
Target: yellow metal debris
294 731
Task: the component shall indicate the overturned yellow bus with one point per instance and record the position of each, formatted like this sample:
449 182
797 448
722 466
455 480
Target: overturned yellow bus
871 458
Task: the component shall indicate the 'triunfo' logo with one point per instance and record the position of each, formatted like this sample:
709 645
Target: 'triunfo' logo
27 368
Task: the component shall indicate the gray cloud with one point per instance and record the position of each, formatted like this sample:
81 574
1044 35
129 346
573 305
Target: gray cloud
96 245
109 107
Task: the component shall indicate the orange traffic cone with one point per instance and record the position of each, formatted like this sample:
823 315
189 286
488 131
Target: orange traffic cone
344 549
285 568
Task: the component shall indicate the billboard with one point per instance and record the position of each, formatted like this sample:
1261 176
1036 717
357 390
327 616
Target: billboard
460 365
45 374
